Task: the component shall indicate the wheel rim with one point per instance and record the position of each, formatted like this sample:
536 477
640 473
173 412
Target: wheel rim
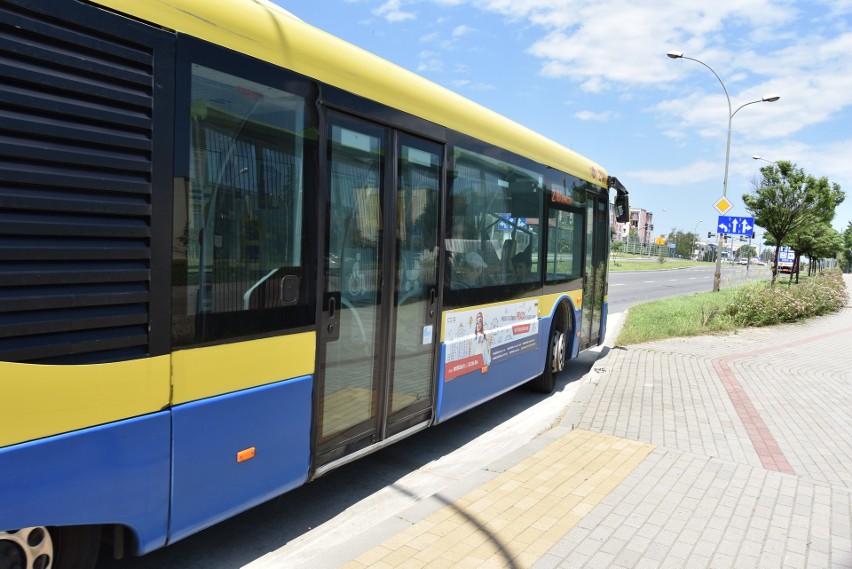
558 350
28 548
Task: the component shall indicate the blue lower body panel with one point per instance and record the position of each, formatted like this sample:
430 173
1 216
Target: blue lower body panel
209 483
115 473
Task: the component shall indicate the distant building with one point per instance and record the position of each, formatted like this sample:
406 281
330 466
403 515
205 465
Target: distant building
642 221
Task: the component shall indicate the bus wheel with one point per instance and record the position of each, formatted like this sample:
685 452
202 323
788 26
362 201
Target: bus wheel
553 364
54 548
76 547
27 548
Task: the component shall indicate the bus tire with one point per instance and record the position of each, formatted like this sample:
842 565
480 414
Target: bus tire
76 547
556 356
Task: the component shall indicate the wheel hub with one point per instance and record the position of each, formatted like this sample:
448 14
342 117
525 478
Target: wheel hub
558 351
27 548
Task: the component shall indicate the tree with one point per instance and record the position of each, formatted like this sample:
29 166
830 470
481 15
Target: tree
828 247
615 248
815 241
847 246
747 251
683 242
787 199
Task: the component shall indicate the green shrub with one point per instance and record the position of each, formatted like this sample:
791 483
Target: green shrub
762 305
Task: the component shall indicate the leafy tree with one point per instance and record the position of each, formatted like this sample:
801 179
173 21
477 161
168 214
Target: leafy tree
787 199
828 247
683 241
815 241
747 251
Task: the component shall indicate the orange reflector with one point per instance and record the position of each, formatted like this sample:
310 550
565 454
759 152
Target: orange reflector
244 455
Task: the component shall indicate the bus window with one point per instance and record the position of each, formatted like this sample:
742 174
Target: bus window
238 222
494 214
564 245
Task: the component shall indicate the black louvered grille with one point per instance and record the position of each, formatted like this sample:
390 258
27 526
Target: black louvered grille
75 192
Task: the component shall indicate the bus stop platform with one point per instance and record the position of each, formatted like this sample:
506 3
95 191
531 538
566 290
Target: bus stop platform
713 451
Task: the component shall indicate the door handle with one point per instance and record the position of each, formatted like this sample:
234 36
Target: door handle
332 306
433 296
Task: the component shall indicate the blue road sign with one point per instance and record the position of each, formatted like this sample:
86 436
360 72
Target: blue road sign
730 225
507 223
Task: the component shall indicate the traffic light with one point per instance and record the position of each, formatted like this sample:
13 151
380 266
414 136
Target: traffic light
709 234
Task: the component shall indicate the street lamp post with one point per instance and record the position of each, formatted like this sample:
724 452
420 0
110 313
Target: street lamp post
717 277
694 237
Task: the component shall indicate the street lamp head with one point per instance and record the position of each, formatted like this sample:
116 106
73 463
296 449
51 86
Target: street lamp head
675 54
770 98
758 157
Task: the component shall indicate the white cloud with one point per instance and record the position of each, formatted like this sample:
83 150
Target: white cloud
595 117
430 61
694 173
462 30
392 11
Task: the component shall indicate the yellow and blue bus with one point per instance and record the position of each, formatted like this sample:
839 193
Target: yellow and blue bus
237 252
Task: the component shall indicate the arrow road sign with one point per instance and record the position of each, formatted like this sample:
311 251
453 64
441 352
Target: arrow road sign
736 225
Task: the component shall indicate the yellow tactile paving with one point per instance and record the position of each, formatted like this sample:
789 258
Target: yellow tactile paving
518 516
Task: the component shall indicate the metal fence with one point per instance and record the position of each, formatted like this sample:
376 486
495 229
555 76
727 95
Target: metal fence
646 249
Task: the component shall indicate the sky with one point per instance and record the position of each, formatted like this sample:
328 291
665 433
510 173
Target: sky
593 75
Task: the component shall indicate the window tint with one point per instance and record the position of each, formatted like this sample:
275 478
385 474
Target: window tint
567 196
564 245
238 222
493 223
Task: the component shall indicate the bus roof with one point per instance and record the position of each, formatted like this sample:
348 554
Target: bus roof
268 32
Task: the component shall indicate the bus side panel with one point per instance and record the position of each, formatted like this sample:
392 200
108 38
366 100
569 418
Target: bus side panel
114 473
471 389
216 474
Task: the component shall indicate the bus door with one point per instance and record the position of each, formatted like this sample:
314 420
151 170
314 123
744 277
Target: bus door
378 328
594 280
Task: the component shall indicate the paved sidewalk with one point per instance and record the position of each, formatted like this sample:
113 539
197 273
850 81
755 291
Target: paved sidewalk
717 451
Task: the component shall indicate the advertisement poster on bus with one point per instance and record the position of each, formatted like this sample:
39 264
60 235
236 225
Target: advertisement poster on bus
477 339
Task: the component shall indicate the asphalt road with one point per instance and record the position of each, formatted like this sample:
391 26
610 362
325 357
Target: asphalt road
634 287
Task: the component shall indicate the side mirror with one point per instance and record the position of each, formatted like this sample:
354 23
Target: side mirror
622 208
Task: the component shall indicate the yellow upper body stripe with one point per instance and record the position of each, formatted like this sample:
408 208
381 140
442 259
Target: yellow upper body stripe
266 32
205 372
44 400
